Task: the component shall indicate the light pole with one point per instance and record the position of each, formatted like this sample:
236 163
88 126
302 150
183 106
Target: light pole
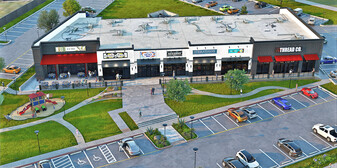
290 72
165 129
5 33
191 117
231 83
64 103
37 30
195 157
37 136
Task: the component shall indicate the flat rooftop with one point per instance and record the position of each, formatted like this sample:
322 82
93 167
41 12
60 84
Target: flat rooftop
175 32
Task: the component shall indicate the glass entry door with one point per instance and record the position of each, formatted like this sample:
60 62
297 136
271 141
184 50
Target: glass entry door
148 70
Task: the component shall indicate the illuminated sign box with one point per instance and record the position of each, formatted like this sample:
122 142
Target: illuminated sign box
239 50
148 54
288 49
174 53
70 48
115 55
205 51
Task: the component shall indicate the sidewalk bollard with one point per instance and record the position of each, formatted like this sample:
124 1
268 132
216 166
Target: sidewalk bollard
89 85
191 80
206 78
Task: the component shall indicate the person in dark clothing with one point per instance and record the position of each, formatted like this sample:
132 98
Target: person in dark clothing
153 91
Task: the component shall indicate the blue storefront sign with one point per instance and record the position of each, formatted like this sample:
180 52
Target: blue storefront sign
240 50
213 51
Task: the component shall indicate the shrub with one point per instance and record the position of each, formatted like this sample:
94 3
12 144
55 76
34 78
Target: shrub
150 130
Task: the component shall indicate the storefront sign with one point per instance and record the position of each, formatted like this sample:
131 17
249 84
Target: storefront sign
240 50
70 48
214 51
148 54
174 53
288 49
115 55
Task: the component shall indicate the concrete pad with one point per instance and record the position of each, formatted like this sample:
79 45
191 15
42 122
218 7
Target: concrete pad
171 134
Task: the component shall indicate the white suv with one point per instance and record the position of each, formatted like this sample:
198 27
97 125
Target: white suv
247 159
325 131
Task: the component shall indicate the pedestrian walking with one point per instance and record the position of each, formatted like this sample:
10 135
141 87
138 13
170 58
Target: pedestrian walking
68 74
140 113
153 89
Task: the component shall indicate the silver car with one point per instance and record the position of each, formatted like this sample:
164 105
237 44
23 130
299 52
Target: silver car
196 1
333 74
129 145
250 112
44 164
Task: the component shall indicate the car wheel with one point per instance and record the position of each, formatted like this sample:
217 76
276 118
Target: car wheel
312 97
289 153
315 131
278 144
273 101
237 120
329 139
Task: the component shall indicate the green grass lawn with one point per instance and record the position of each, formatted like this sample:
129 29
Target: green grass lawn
331 87
199 103
326 2
140 9
5 80
18 19
128 120
12 102
3 41
222 88
22 143
30 72
322 160
94 121
7 7
325 13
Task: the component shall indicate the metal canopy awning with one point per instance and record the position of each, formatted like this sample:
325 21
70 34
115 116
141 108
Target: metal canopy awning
236 59
113 64
174 60
204 60
148 61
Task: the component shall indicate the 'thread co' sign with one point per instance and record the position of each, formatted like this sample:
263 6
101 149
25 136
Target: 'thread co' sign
288 49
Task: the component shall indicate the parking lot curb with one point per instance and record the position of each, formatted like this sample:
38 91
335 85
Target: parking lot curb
155 145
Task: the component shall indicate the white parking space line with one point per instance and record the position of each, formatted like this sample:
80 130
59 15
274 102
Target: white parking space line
11 36
322 98
91 148
23 28
218 165
231 120
270 158
248 121
283 152
308 98
71 161
88 158
206 126
321 139
265 110
141 151
259 117
293 108
25 59
126 153
109 157
298 101
219 123
276 106
309 144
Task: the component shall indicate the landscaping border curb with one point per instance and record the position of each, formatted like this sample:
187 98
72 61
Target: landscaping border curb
155 145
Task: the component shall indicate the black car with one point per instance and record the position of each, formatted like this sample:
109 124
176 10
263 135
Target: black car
232 163
290 147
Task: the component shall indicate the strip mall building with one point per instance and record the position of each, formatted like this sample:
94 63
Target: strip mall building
188 46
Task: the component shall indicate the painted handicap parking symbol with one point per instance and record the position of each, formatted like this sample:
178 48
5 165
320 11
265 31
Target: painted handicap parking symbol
81 162
96 158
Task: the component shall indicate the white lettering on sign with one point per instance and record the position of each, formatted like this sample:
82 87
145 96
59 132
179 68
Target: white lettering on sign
70 48
288 49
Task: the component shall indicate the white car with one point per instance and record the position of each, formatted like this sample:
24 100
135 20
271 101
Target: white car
247 159
333 74
196 1
325 131
311 21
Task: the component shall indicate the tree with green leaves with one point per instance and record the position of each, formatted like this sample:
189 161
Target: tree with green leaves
2 63
236 78
178 89
243 10
48 20
70 7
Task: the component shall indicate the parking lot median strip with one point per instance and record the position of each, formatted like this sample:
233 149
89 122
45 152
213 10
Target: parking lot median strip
270 158
283 153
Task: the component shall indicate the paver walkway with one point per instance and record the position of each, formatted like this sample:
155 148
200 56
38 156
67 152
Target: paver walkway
171 134
77 134
237 96
317 5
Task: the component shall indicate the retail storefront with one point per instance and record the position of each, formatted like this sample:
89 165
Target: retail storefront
203 66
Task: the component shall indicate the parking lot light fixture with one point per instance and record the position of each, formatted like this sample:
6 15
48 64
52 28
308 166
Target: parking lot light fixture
191 117
165 129
37 136
64 103
5 33
195 157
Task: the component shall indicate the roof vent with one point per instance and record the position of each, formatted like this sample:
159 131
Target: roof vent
298 36
245 21
279 20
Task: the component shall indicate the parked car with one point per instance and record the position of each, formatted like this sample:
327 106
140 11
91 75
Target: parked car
232 163
233 11
12 69
247 159
309 92
325 131
211 4
88 9
325 41
239 116
225 8
333 74
44 164
129 145
196 1
311 21
250 112
298 11
260 4
283 103
290 147
328 60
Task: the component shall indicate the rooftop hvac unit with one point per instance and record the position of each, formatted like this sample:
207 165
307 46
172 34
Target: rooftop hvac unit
279 20
228 28
266 30
245 21
298 36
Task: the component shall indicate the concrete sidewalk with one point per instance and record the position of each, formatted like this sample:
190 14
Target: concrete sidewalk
317 5
114 114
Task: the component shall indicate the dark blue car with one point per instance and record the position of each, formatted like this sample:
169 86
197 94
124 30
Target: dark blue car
282 103
328 60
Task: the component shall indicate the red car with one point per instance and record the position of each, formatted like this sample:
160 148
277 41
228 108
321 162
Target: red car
310 93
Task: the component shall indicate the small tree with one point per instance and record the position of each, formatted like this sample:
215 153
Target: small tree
70 7
236 78
243 10
2 63
48 20
178 89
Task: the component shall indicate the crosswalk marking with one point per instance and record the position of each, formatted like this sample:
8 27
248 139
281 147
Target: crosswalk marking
62 162
107 154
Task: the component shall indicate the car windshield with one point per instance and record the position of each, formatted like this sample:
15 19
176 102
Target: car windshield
294 146
287 103
242 114
249 157
311 92
133 146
